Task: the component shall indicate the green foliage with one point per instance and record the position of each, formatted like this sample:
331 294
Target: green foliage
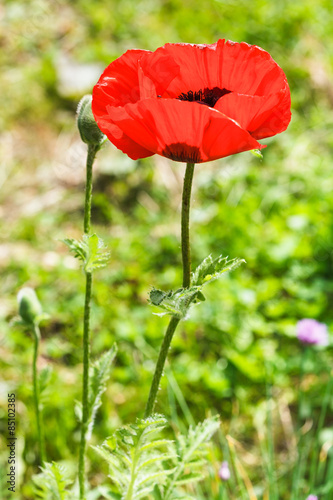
135 455
100 374
174 303
52 483
177 303
191 453
90 250
141 463
211 269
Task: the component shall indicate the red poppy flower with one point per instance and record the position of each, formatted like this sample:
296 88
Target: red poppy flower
192 103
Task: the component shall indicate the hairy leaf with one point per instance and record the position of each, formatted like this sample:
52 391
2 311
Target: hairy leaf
52 483
191 450
177 303
136 457
90 250
100 374
211 269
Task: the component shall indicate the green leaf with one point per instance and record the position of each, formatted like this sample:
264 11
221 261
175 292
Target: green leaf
189 478
157 296
52 483
211 269
136 456
99 376
78 410
191 450
90 250
175 303
156 493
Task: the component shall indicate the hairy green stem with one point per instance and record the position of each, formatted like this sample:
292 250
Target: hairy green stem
92 150
186 255
39 421
185 235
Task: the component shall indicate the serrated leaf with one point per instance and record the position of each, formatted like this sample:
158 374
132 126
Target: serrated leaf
90 250
78 410
189 478
77 247
156 493
99 376
154 444
52 483
177 303
211 269
151 478
200 435
190 451
157 296
136 456
157 458
174 303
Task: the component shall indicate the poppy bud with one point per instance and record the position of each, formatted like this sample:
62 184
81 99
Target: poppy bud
30 308
88 128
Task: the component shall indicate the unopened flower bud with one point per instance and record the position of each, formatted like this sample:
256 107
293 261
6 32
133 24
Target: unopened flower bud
29 306
224 472
88 128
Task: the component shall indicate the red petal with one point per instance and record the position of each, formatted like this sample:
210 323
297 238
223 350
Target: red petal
182 131
224 137
248 69
147 87
121 140
262 116
238 67
160 68
118 85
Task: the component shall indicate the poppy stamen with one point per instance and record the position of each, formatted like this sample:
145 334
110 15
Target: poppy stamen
208 97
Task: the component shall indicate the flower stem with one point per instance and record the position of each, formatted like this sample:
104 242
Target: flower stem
39 422
186 255
186 251
92 150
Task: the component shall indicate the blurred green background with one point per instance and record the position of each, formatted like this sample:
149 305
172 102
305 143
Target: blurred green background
276 213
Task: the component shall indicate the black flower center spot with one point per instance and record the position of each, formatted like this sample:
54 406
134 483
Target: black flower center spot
180 151
208 97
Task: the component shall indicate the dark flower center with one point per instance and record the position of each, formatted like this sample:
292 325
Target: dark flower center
207 96
181 151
